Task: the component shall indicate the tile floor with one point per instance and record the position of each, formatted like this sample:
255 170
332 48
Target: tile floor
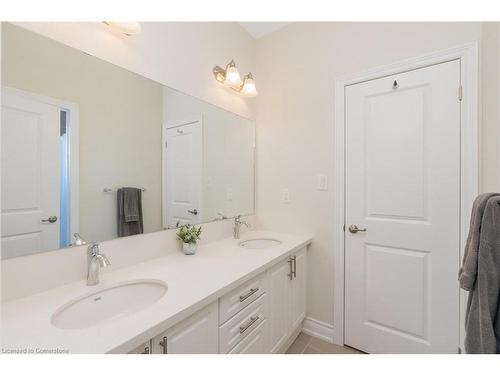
305 344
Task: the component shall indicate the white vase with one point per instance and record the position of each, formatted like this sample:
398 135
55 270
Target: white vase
189 248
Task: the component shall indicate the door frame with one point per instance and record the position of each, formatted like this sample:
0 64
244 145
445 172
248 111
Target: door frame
73 111
467 54
168 125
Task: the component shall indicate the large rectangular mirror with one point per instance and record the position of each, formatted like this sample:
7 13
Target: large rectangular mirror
90 148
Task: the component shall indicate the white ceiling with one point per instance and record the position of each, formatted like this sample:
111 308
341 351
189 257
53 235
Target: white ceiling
259 29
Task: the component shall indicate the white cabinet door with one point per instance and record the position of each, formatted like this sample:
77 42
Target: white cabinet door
254 343
279 304
197 334
298 290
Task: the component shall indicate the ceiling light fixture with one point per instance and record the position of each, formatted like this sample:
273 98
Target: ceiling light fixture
127 28
230 77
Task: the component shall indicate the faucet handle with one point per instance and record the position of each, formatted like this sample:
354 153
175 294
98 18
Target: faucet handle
93 248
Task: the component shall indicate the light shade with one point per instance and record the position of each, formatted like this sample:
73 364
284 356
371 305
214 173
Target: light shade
127 28
232 78
249 89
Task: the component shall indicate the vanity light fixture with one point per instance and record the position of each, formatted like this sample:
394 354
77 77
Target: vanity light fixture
230 77
127 28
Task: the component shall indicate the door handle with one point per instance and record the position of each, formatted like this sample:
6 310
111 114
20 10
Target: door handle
294 260
163 343
194 212
354 229
50 219
290 262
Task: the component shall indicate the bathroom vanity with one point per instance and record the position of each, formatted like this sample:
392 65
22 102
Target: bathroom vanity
181 161
231 297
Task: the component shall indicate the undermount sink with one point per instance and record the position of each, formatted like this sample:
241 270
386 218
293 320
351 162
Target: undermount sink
259 243
112 302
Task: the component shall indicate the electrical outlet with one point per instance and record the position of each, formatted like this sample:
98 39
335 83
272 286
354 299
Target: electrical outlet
322 182
286 196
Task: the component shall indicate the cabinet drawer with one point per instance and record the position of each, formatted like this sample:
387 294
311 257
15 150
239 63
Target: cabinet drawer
254 343
242 324
239 298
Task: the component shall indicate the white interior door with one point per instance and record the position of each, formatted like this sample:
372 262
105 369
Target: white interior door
30 184
402 185
183 173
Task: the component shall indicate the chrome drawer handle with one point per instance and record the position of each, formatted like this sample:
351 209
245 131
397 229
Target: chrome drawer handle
250 293
163 343
250 323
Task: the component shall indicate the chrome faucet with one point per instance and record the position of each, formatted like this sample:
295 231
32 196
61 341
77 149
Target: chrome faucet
95 261
237 225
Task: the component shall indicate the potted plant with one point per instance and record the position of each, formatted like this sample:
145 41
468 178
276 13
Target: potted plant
189 235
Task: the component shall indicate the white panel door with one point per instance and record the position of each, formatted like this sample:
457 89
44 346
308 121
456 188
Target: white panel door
30 175
183 174
402 185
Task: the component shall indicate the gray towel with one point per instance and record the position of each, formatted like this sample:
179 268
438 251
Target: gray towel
129 204
468 272
482 319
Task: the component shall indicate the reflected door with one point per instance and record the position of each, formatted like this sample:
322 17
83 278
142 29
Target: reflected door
30 184
402 186
183 173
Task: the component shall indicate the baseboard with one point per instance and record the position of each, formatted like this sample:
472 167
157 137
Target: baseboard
319 329
289 341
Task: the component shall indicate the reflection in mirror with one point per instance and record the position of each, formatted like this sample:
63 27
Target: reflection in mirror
91 151
208 161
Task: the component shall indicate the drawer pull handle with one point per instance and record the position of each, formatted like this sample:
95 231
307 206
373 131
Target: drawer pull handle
163 343
250 293
250 323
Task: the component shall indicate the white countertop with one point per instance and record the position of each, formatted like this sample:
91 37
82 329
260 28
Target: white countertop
194 281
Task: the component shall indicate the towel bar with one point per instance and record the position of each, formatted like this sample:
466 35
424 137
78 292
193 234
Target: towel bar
109 190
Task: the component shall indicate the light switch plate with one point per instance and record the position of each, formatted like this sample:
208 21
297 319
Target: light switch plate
322 182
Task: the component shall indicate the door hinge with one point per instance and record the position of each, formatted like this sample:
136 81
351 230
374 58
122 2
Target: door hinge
165 144
460 93
343 227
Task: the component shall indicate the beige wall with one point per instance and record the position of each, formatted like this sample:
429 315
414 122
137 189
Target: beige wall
490 150
296 70
120 116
